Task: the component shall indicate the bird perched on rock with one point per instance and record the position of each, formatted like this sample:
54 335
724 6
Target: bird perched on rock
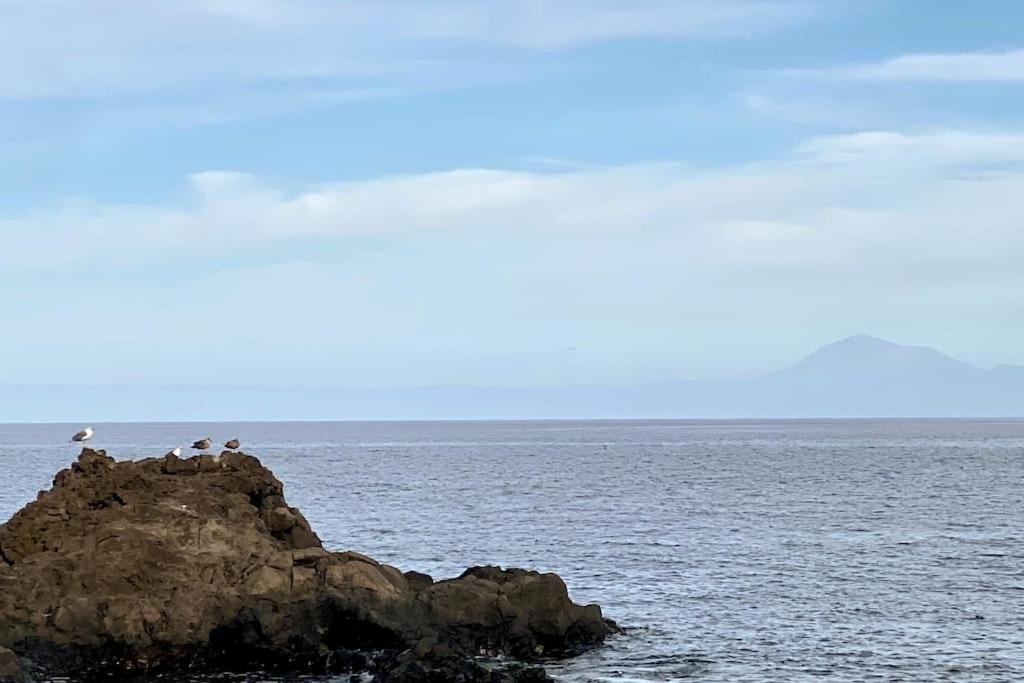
176 453
82 436
232 445
203 444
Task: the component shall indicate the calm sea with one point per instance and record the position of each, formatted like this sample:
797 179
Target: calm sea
732 551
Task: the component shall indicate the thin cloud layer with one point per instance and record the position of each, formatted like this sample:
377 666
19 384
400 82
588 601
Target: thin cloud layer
955 67
471 266
108 49
721 214
834 199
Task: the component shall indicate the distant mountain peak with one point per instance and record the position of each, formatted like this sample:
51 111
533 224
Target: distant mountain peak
863 340
863 352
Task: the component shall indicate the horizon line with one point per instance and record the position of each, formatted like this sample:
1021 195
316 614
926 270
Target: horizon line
676 420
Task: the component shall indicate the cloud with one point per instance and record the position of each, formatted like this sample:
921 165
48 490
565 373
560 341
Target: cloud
107 49
533 24
542 25
833 198
936 149
477 274
814 111
959 67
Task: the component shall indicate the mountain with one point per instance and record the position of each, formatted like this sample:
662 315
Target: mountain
864 376
860 376
863 355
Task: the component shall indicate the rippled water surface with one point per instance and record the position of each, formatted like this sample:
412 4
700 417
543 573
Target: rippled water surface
732 551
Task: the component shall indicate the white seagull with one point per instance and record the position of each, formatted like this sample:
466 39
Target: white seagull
176 453
82 436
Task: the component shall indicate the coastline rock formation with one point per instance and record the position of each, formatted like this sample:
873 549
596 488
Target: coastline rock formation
167 564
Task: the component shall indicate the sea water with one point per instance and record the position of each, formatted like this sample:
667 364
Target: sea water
730 551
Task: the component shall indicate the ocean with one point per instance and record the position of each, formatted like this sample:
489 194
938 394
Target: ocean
729 550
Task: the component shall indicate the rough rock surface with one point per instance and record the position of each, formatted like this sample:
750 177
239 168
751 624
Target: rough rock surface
10 667
171 564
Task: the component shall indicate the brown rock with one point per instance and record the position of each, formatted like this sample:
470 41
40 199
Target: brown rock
304 580
10 667
418 581
348 575
266 581
170 564
308 556
281 520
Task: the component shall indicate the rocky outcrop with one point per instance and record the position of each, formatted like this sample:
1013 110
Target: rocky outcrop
10 667
171 564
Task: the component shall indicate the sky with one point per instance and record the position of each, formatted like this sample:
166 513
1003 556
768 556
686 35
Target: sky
398 193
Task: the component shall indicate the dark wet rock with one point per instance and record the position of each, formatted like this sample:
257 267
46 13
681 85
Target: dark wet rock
440 664
171 564
347 662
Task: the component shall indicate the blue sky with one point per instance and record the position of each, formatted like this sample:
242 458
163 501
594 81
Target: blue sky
521 193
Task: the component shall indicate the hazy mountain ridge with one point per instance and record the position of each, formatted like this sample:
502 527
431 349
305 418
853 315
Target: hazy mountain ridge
867 377
860 376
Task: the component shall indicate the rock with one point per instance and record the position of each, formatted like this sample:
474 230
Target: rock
172 564
308 556
10 668
347 662
410 667
267 580
418 581
282 520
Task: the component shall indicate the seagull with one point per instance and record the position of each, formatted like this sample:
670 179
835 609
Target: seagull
232 445
82 436
203 444
176 453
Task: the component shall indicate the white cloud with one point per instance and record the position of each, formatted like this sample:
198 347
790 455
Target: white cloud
822 113
964 66
940 148
808 206
104 48
548 25
645 267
